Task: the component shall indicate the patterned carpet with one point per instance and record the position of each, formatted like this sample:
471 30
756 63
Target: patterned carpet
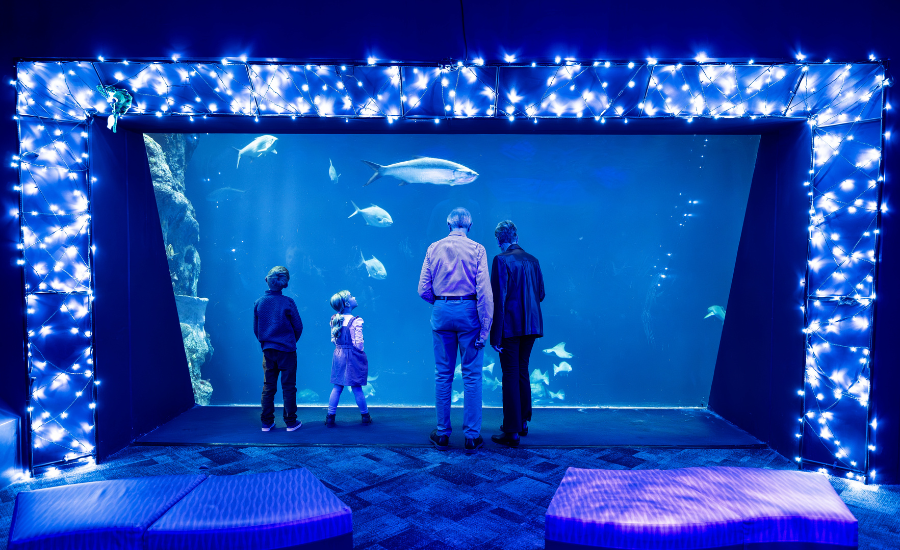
406 498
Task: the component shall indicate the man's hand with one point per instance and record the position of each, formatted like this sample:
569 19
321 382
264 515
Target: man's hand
479 343
498 349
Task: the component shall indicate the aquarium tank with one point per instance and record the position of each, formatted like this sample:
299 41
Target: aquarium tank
636 236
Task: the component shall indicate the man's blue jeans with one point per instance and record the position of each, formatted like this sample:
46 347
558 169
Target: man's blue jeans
455 326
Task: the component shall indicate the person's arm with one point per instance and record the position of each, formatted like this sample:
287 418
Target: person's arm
498 289
425 290
485 296
256 320
296 322
356 334
540 278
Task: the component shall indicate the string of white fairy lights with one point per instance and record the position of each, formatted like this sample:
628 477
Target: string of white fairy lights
60 95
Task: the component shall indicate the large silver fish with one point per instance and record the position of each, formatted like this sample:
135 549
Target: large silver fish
374 215
258 147
224 194
374 268
424 170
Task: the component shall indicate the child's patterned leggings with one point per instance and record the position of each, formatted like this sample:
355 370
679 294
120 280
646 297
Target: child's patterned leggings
336 396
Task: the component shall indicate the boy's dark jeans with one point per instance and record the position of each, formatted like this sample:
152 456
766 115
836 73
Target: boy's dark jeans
275 362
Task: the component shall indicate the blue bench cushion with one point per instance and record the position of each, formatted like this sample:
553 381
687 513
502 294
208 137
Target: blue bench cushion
722 508
289 509
99 514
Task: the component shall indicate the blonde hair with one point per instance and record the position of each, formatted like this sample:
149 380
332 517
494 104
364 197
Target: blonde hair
338 302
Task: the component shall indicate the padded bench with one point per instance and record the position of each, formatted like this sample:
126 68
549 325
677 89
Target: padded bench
694 508
276 510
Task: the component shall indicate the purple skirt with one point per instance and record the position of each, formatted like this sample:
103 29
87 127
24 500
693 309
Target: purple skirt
349 366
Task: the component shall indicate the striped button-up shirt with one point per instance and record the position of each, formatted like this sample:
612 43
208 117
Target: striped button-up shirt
457 266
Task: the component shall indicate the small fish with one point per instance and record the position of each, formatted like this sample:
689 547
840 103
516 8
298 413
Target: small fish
424 170
224 194
560 351
374 268
374 215
562 367
458 372
368 390
258 147
538 376
457 395
492 383
307 395
170 251
537 390
717 311
561 395
332 173
489 368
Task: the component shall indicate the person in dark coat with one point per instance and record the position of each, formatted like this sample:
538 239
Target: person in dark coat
518 287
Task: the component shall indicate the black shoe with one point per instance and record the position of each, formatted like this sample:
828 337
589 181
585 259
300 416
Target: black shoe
366 419
473 445
507 440
522 433
329 421
268 427
441 442
291 426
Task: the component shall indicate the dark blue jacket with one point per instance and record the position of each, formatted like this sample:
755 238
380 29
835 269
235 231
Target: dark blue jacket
518 287
276 322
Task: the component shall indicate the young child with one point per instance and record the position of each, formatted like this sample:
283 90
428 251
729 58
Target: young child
349 365
277 326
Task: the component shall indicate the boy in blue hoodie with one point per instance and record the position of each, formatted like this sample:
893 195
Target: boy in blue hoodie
277 326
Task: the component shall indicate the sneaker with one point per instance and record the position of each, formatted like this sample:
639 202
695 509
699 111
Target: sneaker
366 419
473 445
268 427
507 440
291 426
329 420
441 442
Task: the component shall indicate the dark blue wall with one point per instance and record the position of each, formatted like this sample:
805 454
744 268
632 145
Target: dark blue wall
761 355
138 351
432 31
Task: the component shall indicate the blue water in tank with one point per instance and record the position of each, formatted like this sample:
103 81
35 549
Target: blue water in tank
636 236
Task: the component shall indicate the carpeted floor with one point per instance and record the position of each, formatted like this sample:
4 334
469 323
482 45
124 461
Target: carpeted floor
406 498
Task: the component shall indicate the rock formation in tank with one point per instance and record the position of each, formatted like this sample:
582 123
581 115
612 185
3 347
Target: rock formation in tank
168 155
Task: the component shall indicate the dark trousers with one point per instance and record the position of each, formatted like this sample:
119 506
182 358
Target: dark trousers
514 361
284 362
